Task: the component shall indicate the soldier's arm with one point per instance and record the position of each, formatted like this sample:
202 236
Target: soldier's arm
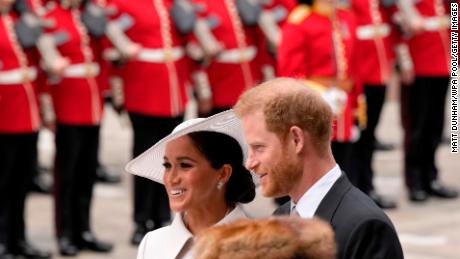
189 20
411 21
291 52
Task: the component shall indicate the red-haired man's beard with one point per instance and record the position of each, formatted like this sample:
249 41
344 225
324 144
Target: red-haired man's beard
282 176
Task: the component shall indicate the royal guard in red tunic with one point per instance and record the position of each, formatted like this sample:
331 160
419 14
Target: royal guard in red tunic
426 56
155 84
274 15
77 102
376 37
318 44
272 18
237 66
19 125
31 13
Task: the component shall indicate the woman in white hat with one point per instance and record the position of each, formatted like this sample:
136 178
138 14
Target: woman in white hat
201 164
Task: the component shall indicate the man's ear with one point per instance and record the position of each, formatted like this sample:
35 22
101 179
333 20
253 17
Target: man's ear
297 136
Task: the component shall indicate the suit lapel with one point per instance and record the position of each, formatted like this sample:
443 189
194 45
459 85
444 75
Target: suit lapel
331 201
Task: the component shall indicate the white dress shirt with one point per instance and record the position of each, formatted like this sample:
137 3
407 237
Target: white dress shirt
175 240
310 200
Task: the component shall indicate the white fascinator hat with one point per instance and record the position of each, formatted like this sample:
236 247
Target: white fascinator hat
150 163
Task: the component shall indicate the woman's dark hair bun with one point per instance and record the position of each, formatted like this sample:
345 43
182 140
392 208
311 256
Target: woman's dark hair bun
240 187
221 149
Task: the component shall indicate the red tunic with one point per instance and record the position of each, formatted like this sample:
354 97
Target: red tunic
308 51
430 49
18 96
155 83
375 35
76 95
272 6
288 5
238 67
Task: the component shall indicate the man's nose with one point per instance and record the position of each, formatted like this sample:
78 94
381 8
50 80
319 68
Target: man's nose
250 163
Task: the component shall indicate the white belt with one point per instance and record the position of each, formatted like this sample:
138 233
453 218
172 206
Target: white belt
436 23
160 55
237 56
18 75
371 31
81 70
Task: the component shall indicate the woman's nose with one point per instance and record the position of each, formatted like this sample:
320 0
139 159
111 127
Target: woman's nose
173 176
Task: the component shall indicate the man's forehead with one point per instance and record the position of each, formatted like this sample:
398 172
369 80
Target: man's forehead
256 132
253 116
253 122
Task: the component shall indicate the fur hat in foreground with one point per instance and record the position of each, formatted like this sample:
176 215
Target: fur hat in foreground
273 238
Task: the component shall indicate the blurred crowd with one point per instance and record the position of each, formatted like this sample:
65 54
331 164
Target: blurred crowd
61 60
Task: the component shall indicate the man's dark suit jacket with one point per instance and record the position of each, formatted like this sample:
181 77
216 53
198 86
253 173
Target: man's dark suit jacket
362 230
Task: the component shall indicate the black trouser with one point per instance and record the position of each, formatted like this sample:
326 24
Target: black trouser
74 175
422 113
18 153
361 174
150 199
342 152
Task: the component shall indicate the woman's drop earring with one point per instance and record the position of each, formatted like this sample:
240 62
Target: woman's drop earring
220 184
